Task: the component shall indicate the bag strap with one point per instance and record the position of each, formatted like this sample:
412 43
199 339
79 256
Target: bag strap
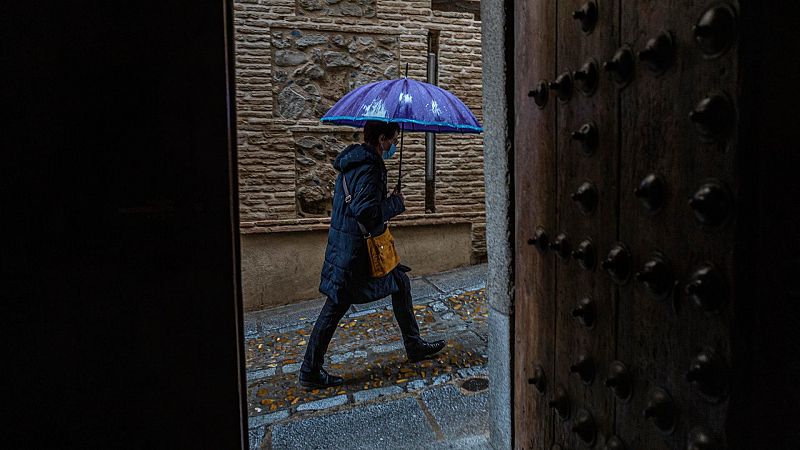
349 198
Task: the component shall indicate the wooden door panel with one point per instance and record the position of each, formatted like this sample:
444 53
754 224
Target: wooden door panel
644 132
535 277
658 137
574 340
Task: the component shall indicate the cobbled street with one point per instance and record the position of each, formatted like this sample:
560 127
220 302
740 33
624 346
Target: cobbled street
386 402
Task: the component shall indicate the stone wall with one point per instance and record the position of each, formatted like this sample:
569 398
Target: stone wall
296 58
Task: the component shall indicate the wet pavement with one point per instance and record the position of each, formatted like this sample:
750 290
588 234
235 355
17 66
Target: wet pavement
386 402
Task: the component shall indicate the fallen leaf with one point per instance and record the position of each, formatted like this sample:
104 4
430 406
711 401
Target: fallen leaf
402 380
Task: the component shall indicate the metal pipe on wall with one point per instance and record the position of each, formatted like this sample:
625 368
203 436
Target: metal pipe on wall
430 138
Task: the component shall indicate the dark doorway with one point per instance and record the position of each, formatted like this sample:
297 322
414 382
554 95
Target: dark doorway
121 212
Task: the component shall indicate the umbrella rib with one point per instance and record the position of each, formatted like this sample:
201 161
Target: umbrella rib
455 108
430 93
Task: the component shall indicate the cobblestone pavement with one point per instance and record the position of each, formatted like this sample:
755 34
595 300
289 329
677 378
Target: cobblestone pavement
386 402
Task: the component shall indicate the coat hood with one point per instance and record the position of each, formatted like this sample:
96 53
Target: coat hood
354 155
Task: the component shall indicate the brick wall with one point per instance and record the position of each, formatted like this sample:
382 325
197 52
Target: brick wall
296 58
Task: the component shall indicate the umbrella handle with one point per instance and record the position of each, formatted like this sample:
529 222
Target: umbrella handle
400 166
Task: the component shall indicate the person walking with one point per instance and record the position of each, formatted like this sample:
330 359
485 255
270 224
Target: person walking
345 277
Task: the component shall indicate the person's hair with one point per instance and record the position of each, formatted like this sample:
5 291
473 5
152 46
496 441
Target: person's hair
373 129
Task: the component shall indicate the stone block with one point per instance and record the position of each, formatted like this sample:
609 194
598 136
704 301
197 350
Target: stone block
438 307
468 278
457 414
415 385
475 371
336 59
310 40
388 348
254 437
422 288
441 379
260 374
362 313
266 419
291 368
475 442
285 318
379 425
289 58
324 403
502 385
337 359
369 394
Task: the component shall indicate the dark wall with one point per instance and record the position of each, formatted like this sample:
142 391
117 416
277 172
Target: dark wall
767 331
120 249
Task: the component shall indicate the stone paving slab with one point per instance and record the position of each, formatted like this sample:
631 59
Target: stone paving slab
260 374
467 278
266 419
282 316
471 372
325 403
369 394
422 291
479 442
384 303
254 437
458 414
422 288
251 327
392 424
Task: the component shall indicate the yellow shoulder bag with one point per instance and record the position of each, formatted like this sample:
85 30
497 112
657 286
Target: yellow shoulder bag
383 256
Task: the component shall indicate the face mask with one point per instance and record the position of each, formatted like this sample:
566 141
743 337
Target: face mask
389 153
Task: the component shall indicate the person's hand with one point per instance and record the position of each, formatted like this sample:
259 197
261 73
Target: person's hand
399 193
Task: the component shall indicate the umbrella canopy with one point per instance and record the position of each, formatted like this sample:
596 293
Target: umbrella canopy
416 105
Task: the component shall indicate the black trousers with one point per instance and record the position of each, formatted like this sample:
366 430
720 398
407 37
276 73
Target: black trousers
332 313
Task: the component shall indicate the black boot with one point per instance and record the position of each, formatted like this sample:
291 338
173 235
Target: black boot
319 379
424 350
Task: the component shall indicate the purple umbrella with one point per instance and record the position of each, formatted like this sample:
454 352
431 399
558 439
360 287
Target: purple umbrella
417 106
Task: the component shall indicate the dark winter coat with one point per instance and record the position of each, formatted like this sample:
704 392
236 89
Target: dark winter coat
345 272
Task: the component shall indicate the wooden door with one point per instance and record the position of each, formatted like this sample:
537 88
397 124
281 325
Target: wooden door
626 150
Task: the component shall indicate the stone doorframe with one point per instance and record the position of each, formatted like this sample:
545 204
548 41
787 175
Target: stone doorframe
498 86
